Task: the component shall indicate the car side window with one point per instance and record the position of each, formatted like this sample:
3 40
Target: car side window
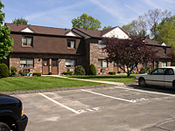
169 72
159 71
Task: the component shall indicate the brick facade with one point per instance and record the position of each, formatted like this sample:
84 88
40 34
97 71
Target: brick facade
51 44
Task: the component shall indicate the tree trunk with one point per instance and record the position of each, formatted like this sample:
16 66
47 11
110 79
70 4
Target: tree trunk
128 72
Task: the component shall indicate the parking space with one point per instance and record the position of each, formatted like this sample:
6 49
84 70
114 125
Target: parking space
107 108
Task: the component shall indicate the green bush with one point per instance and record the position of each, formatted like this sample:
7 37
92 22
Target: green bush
21 73
145 70
67 73
4 71
37 74
112 72
13 71
79 70
92 70
132 72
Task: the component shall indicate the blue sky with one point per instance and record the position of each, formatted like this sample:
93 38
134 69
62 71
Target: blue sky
59 13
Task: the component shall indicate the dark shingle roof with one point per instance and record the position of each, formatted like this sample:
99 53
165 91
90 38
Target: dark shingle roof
40 29
154 42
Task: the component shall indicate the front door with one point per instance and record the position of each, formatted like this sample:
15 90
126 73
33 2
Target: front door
45 66
54 67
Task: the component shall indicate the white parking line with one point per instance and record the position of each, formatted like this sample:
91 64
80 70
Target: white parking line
158 93
56 102
121 99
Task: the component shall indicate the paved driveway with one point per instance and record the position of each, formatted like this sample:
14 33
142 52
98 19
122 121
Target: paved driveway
111 108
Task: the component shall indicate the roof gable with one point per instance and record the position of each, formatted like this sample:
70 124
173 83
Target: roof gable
70 33
116 32
112 32
27 30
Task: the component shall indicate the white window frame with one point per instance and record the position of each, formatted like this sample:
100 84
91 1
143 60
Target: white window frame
27 41
70 62
26 62
165 50
164 63
102 63
71 43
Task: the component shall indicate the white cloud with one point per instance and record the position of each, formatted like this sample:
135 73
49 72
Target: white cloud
133 9
61 16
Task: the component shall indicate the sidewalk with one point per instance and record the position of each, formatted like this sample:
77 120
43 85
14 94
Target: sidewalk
106 82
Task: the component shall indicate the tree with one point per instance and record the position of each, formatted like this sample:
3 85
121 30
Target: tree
136 27
167 34
86 22
5 42
153 17
20 21
128 52
166 31
2 15
171 55
107 27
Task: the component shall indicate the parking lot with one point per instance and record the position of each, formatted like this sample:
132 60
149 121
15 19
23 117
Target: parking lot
100 109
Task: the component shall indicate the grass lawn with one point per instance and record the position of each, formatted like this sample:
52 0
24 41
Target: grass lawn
37 83
113 78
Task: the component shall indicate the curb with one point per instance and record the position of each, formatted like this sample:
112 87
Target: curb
64 89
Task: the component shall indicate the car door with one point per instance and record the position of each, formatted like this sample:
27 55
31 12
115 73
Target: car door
156 77
169 77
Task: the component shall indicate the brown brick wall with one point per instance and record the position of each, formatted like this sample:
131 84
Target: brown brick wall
38 61
97 53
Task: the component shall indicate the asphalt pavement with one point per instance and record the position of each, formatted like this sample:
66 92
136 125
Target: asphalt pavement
115 106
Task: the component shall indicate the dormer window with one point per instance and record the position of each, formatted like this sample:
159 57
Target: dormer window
164 50
71 44
27 41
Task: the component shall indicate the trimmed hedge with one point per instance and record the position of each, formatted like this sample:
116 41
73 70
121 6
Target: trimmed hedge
67 73
4 71
112 72
37 74
92 70
79 70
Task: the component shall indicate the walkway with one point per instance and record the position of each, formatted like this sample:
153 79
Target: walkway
106 82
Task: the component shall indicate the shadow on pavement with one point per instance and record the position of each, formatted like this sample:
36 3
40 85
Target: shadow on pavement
152 88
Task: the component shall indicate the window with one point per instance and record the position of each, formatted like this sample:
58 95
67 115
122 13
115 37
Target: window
100 45
70 63
71 43
164 64
28 41
159 71
169 72
26 62
54 62
164 50
102 63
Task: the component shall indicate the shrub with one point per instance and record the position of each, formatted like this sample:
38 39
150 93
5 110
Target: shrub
4 71
112 72
67 73
92 70
145 70
79 70
37 74
132 72
13 71
21 72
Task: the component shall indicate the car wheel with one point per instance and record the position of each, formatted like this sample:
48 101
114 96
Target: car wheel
142 82
4 127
